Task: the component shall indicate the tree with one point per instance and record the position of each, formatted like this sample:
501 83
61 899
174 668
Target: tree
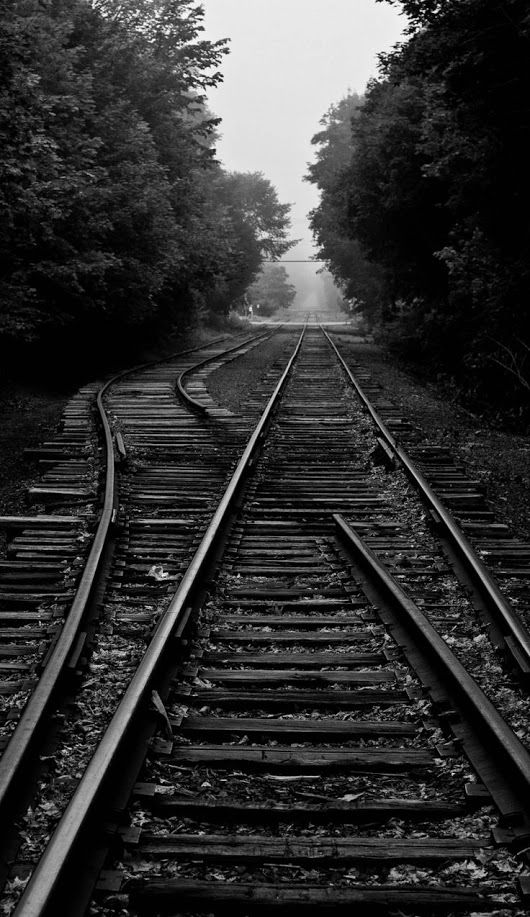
354 274
436 193
393 207
253 196
271 291
89 229
50 177
471 59
116 214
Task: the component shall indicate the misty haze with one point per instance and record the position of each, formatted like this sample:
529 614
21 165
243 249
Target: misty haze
264 455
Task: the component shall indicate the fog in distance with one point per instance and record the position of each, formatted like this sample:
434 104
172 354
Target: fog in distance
289 61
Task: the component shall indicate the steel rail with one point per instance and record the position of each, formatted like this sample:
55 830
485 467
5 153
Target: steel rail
192 403
486 719
22 743
53 865
26 734
515 635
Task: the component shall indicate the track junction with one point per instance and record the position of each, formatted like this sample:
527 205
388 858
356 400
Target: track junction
272 610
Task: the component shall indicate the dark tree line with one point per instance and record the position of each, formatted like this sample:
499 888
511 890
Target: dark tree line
115 213
424 214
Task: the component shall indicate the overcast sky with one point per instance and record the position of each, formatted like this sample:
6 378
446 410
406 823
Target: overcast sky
289 61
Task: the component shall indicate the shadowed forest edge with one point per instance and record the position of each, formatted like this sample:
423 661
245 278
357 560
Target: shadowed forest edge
121 226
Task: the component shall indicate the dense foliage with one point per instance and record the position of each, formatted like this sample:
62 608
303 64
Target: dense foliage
359 279
115 214
270 291
435 192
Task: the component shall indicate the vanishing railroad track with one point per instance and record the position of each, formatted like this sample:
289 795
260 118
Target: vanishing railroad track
297 734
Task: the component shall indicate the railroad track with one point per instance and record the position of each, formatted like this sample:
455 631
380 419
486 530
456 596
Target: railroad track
297 735
499 577
83 528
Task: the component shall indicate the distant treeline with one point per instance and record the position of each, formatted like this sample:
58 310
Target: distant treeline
270 291
114 213
425 196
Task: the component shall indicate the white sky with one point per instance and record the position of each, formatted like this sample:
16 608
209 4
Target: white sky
289 61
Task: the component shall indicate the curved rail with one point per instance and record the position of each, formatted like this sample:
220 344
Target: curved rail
516 637
27 732
51 869
24 740
192 403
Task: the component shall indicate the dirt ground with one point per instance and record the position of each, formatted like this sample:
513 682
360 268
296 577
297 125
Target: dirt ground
230 385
